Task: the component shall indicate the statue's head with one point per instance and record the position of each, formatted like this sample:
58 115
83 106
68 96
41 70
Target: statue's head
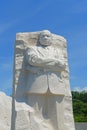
45 38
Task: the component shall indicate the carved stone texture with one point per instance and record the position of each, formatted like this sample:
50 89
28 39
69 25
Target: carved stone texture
5 112
41 90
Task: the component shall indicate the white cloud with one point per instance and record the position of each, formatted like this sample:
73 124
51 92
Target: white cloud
41 6
80 7
76 78
79 89
6 74
6 86
4 26
6 63
77 48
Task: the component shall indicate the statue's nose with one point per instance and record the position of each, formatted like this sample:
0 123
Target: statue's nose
45 37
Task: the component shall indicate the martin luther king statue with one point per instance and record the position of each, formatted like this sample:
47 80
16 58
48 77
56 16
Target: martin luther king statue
41 91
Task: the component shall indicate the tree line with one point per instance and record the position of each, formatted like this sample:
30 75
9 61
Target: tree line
79 100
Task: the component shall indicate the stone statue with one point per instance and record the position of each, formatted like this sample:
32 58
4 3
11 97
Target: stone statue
41 85
45 67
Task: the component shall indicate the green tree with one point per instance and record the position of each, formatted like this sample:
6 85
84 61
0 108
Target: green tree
80 106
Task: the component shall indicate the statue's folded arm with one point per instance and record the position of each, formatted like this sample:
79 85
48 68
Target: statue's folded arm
51 63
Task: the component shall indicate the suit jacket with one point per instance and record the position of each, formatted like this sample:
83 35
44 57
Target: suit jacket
44 70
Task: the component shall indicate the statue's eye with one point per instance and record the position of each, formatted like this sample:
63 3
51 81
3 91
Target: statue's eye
46 36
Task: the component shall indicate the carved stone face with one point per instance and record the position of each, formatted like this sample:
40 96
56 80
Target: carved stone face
45 38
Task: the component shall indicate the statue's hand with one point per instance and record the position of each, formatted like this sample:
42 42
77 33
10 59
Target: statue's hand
60 64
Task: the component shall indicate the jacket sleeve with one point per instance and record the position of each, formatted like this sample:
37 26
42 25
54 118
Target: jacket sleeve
34 59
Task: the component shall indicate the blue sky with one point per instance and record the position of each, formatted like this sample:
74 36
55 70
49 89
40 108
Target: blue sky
64 17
